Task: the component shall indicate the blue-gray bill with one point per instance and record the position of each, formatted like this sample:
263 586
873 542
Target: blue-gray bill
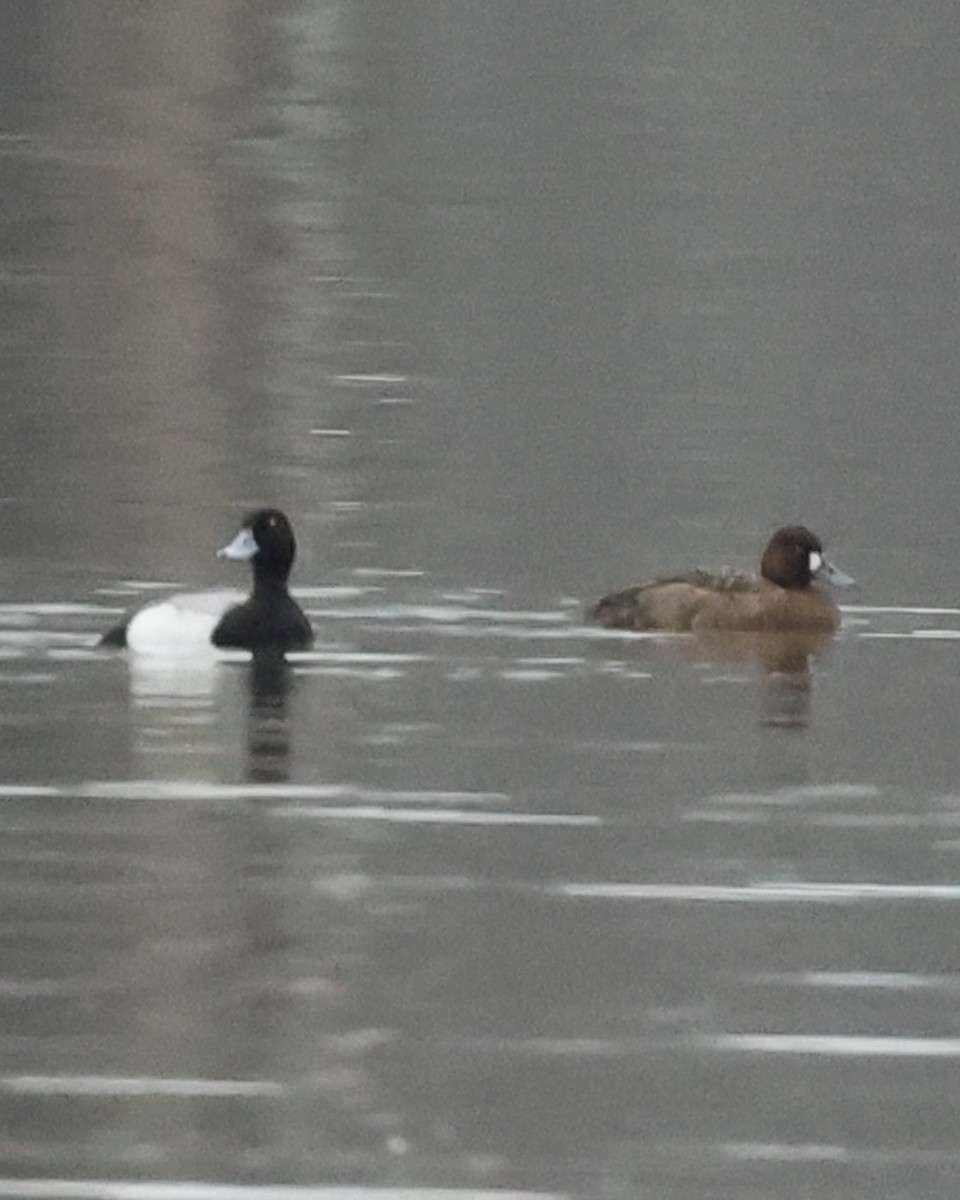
244 546
833 575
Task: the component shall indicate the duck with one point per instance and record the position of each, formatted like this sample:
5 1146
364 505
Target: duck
786 596
268 619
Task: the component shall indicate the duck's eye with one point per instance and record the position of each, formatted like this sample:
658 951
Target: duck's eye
816 561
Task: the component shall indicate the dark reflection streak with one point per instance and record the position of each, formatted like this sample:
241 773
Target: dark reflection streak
785 699
268 721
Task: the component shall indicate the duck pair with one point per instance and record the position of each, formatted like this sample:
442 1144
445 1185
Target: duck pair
784 597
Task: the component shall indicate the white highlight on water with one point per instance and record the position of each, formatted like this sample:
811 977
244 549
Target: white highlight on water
419 816
179 790
135 1085
835 1045
106 1189
760 893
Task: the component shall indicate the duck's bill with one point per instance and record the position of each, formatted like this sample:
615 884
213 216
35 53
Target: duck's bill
242 547
834 576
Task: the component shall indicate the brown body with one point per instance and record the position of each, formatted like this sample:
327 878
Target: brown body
783 597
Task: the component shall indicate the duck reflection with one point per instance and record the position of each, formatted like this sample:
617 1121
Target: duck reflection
784 662
187 717
268 720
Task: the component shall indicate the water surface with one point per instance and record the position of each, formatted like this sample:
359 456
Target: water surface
506 305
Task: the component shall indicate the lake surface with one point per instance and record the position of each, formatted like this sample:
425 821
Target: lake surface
506 305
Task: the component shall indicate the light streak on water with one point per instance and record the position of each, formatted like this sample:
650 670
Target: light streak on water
760 893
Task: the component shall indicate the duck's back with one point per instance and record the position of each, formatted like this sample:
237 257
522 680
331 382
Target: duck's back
182 621
672 604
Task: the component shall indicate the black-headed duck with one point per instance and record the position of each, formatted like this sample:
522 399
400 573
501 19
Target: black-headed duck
268 619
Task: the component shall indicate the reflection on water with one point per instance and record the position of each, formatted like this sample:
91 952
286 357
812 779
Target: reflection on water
357 915
176 706
268 722
784 662
408 960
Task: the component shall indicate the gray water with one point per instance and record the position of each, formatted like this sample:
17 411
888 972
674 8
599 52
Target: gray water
506 304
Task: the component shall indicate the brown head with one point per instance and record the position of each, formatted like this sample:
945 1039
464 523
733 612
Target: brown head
794 558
